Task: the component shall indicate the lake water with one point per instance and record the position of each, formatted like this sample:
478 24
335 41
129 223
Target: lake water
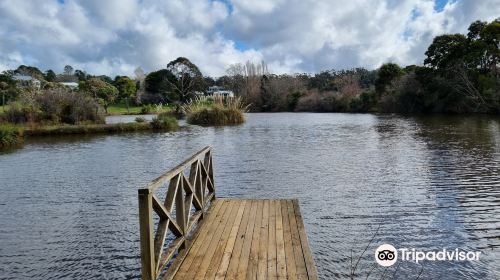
68 206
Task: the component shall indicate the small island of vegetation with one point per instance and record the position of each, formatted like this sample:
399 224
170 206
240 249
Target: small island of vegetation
217 111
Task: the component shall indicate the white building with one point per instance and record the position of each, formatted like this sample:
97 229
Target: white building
27 81
219 91
71 85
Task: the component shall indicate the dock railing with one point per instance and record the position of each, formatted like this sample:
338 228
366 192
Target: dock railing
181 193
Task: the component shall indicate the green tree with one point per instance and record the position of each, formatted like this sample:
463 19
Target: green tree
387 73
68 70
126 88
208 82
445 50
158 85
3 88
30 71
186 78
81 75
104 93
50 76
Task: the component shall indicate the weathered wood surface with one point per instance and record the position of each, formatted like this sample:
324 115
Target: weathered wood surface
248 239
181 212
217 238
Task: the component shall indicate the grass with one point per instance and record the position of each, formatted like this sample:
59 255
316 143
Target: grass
100 128
121 109
215 112
10 136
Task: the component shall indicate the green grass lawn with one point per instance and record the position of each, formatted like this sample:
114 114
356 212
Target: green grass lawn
3 108
121 109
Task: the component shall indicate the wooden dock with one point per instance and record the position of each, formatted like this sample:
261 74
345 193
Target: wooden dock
219 238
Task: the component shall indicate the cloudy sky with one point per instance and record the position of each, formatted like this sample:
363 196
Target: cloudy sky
116 36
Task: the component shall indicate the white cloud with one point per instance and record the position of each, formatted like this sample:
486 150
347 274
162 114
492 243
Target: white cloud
115 36
318 35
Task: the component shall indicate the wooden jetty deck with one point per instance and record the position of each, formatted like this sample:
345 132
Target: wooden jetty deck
218 238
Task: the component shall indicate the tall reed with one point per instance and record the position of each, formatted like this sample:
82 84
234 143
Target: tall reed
215 111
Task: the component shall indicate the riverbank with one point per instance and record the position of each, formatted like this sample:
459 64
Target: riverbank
12 136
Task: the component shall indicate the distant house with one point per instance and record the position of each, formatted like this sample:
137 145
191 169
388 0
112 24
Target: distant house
71 85
219 91
27 81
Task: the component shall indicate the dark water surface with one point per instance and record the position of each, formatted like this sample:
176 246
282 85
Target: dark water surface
68 207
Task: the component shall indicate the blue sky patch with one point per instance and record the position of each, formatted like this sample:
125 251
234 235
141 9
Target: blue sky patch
439 5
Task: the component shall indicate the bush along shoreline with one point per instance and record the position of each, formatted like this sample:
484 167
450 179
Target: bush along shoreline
10 136
62 112
217 111
13 136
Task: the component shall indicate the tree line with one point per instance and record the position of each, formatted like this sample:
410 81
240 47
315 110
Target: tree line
459 75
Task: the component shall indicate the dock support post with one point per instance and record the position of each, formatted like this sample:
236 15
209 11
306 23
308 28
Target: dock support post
148 266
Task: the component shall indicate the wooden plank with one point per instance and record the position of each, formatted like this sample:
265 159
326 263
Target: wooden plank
280 244
312 271
297 246
233 246
290 258
227 237
250 239
219 236
213 213
253 258
200 246
247 243
236 256
148 267
271 249
264 233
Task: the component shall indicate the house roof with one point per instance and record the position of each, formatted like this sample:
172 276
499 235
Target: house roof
24 78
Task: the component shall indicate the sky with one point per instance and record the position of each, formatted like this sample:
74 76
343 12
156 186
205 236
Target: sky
114 37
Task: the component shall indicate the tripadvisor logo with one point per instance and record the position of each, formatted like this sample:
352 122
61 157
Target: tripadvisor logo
387 255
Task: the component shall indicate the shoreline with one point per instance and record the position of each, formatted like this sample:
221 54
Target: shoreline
18 134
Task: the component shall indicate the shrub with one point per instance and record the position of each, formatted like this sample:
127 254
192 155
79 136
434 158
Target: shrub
140 120
10 135
55 106
314 101
71 108
221 111
176 113
146 109
21 113
164 123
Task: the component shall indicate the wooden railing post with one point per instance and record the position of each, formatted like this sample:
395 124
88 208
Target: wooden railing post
148 266
180 210
209 165
185 193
